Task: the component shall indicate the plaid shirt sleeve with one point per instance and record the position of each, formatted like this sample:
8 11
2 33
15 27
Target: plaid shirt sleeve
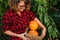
5 22
32 15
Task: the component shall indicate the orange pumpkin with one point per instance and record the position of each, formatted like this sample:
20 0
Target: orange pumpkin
34 33
33 25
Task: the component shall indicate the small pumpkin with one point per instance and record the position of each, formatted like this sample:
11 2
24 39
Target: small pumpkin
34 33
33 25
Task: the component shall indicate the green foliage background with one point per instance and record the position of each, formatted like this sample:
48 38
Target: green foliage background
47 16
41 7
3 7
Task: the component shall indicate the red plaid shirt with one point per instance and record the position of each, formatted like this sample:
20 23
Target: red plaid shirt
15 23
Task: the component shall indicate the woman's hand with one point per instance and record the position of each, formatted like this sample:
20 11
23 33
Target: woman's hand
22 36
10 33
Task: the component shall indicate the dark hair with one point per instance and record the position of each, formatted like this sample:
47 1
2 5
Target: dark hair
14 3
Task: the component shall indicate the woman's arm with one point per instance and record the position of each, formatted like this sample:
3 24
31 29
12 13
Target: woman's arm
42 26
10 33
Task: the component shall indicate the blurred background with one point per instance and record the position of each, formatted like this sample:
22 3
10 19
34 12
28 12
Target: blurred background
48 11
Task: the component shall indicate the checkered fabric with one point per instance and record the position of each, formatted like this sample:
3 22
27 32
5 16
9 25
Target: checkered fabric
16 23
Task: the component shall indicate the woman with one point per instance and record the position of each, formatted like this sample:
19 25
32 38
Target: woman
16 20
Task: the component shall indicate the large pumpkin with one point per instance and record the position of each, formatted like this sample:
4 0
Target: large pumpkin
34 33
33 25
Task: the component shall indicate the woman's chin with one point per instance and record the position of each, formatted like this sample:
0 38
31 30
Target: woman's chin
21 10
